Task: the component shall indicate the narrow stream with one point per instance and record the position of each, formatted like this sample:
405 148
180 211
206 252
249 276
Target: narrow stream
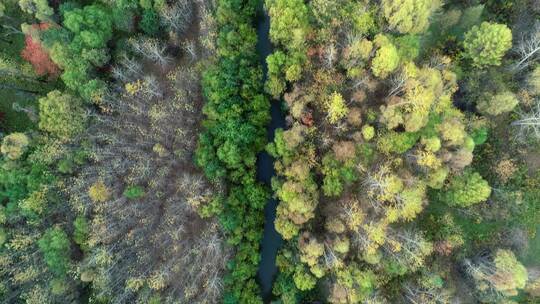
265 170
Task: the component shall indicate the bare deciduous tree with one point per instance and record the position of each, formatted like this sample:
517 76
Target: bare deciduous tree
527 49
529 123
152 242
152 49
178 16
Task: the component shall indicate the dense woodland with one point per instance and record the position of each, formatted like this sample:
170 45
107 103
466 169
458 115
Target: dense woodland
408 172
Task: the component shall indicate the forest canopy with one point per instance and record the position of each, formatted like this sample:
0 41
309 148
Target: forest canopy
269 151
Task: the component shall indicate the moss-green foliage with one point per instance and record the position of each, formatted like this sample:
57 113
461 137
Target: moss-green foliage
502 11
19 179
35 205
450 27
236 109
514 205
443 223
497 104
409 16
466 190
519 195
366 22
286 289
14 121
55 247
498 276
70 162
368 132
386 57
486 44
276 64
81 232
290 24
303 279
404 142
61 115
35 214
480 135
337 174
408 47
394 142
506 263
133 192
531 256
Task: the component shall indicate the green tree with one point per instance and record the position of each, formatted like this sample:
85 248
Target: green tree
134 192
303 279
411 201
81 232
512 270
394 142
365 23
422 90
276 64
61 114
149 22
495 104
466 189
80 46
289 22
452 131
437 177
337 109
35 204
336 174
409 16
408 47
91 25
356 284
55 246
285 288
289 26
18 180
471 16
368 132
299 198
486 44
386 58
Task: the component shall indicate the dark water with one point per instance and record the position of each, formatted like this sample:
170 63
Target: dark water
265 170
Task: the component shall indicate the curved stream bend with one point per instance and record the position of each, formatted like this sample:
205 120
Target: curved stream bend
265 170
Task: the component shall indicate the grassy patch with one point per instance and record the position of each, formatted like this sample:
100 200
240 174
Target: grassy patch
11 120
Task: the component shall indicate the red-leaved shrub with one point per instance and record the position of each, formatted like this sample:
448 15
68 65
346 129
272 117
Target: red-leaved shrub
38 56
